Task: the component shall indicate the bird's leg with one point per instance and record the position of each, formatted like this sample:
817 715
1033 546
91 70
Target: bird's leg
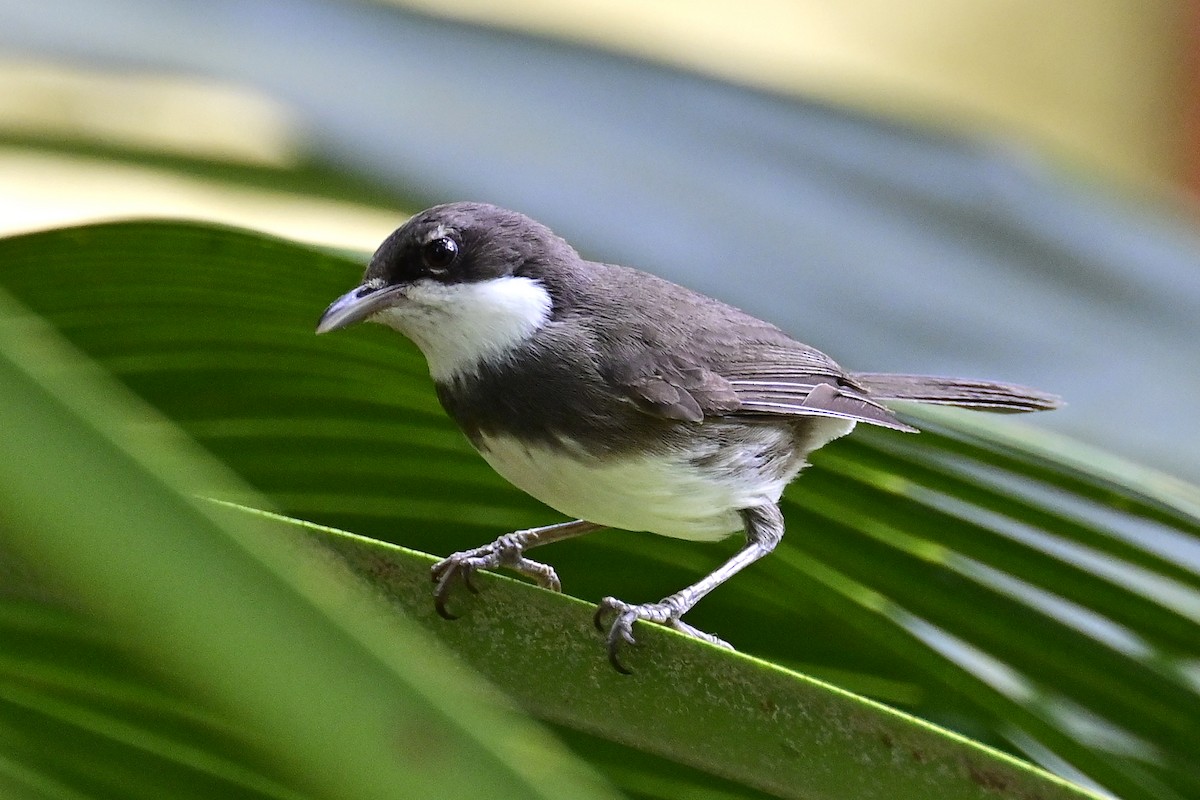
507 551
764 529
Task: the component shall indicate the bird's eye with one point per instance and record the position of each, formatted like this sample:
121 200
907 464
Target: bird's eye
440 253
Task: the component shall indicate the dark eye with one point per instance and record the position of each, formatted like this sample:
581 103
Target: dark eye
440 253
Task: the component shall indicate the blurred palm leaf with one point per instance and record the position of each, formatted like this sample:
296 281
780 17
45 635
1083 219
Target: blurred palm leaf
1036 598
154 648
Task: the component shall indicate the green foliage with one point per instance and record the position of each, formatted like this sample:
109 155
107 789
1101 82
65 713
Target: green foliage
156 649
1021 590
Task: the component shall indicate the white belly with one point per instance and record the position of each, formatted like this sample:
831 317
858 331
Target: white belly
667 494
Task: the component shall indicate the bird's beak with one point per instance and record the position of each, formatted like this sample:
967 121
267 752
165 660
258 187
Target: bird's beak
357 305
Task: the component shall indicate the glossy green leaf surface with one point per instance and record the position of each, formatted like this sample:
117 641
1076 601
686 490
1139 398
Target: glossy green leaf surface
738 717
1024 592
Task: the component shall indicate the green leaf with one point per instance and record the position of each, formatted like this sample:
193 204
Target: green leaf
327 695
736 716
1034 598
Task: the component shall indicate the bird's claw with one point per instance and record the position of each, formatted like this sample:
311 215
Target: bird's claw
620 631
443 574
507 551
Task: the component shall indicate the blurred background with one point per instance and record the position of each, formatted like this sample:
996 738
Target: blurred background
995 188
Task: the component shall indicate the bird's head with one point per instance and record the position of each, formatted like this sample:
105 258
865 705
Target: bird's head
464 281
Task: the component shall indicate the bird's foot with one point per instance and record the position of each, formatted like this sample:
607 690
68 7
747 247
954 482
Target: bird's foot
665 612
507 551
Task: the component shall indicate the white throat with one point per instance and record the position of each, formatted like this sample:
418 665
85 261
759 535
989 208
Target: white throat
461 326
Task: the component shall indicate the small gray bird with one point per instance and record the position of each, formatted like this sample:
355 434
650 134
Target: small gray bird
618 398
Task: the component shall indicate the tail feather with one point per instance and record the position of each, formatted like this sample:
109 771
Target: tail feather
979 395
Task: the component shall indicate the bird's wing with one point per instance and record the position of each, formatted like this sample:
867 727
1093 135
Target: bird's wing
760 381
809 395
673 388
681 355
795 379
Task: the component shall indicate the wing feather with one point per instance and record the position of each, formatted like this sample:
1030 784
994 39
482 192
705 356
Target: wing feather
680 355
669 388
807 397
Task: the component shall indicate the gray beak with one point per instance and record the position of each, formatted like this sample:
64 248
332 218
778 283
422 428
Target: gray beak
357 305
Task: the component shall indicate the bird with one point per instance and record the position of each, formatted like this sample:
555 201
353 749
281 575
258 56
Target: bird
618 398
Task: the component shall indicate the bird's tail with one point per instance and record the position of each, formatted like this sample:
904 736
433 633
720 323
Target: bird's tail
979 395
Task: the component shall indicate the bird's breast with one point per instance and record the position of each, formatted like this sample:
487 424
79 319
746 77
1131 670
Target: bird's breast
690 491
